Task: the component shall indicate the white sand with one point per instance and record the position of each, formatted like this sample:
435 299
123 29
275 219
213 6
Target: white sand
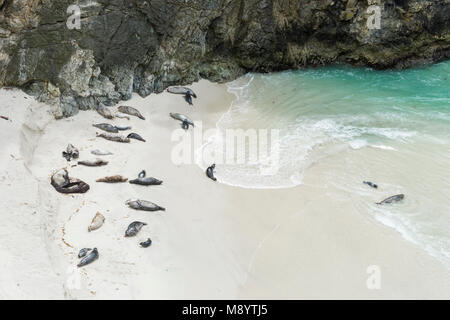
214 241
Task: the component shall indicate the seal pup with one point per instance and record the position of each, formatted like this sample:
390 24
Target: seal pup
146 243
135 136
93 163
134 228
83 252
71 152
143 205
392 199
97 222
104 111
91 257
371 184
114 138
98 152
112 179
65 184
146 181
181 90
131 111
186 122
106 127
210 172
142 174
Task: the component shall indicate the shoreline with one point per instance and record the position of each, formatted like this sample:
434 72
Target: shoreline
214 242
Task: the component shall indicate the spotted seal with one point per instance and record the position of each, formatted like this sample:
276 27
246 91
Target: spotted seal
134 228
143 205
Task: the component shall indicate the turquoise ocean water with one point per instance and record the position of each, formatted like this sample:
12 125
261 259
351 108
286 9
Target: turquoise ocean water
391 127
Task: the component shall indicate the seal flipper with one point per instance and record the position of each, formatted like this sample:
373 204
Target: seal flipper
185 125
142 174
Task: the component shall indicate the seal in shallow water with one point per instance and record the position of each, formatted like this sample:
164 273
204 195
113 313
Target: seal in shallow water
210 172
143 205
134 228
393 199
91 257
131 111
65 184
106 127
370 184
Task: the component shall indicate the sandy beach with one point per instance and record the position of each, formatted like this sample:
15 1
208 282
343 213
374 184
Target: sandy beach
213 242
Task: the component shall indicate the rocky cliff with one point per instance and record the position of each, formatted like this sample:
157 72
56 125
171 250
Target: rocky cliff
124 46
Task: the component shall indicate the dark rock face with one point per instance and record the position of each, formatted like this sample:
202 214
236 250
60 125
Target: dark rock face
143 46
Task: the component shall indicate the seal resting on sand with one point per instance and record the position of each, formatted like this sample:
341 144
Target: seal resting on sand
104 111
371 184
114 138
143 205
91 257
71 152
146 243
134 228
393 199
65 184
210 172
146 181
106 127
97 222
83 252
131 111
185 121
135 136
93 163
182 90
112 179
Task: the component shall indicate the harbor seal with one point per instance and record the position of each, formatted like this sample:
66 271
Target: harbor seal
71 152
65 184
115 138
106 127
131 111
392 199
370 184
146 181
112 179
143 205
91 257
83 252
93 163
210 172
105 112
97 222
146 243
181 90
186 122
142 174
188 99
135 136
99 152
134 228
